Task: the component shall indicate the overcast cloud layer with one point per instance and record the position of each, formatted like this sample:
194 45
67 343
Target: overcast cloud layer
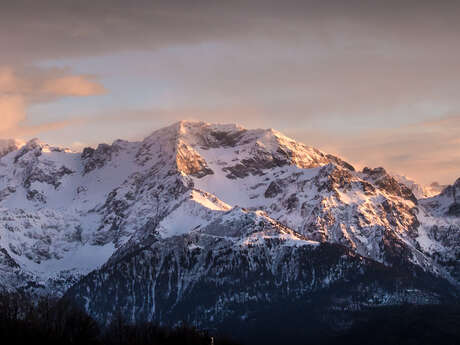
375 81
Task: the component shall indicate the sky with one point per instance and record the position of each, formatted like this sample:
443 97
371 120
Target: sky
375 82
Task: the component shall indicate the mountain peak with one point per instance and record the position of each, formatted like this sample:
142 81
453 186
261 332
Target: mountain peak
217 134
202 148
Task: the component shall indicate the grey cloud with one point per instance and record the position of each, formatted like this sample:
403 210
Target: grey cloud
33 30
301 59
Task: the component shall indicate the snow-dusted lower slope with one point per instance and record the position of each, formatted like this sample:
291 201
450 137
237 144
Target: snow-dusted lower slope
237 265
65 214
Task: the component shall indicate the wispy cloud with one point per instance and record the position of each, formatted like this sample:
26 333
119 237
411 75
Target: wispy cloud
20 88
45 84
74 85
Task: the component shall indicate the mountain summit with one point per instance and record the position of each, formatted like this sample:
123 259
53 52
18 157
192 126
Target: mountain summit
200 219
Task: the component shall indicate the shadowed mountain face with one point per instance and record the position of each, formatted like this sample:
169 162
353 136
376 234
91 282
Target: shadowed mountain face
210 223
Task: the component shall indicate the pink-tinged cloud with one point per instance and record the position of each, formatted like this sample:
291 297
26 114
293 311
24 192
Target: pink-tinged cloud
41 85
12 110
22 87
27 132
72 86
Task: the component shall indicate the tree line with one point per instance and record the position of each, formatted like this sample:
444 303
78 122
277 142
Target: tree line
58 322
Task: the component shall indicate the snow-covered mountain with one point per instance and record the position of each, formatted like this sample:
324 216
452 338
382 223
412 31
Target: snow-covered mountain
237 215
420 192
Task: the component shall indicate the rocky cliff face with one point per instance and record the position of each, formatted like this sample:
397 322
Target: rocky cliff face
196 209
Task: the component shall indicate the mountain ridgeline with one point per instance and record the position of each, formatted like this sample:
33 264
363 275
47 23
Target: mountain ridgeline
216 226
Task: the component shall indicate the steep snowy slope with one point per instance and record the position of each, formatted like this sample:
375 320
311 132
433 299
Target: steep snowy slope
316 194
